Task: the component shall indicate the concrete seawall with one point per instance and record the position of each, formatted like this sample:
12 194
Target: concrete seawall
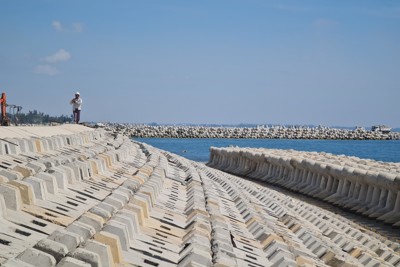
276 132
72 196
364 186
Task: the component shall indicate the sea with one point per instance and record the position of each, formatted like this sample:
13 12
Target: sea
198 149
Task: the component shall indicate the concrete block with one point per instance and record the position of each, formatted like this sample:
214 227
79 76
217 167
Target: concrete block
120 230
39 187
56 249
104 251
122 195
116 203
11 174
101 212
285 262
16 263
60 176
92 219
24 171
37 258
109 208
36 166
12 196
71 262
87 256
84 230
69 173
69 239
128 224
26 191
50 181
3 208
113 242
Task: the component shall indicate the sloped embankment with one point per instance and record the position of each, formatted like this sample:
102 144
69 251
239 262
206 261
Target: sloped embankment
74 196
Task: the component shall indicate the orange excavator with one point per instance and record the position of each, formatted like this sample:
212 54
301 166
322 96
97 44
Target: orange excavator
5 121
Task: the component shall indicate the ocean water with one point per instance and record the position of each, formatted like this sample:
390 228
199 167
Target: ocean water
198 149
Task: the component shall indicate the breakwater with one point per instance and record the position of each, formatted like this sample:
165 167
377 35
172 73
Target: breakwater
366 187
276 132
73 196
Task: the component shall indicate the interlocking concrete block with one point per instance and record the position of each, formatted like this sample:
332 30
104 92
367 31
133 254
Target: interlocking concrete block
76 171
16 263
143 203
36 166
24 171
87 256
56 249
119 229
69 239
124 191
92 219
94 164
11 174
267 238
60 176
128 222
105 214
50 181
138 211
122 195
285 262
274 247
104 251
113 242
116 203
70 174
71 262
224 260
26 191
84 230
196 255
39 187
109 208
37 258
3 207
12 196
11 146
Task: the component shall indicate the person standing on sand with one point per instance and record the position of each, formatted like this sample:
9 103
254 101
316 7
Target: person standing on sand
76 107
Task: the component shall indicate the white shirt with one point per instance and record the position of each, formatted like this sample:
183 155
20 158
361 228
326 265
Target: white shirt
76 103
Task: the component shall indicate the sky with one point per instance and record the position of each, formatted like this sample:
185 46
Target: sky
330 63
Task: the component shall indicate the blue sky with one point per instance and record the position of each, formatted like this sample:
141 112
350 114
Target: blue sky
334 63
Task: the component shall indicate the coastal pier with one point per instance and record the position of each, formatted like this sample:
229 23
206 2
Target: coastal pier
74 196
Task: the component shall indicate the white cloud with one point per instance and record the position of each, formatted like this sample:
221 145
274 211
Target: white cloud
60 55
46 69
78 27
57 25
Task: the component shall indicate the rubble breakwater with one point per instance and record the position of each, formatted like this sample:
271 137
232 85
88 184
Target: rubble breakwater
275 132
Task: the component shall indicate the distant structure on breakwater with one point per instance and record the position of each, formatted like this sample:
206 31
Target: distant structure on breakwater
274 132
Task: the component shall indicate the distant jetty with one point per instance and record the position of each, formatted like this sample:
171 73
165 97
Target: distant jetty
263 132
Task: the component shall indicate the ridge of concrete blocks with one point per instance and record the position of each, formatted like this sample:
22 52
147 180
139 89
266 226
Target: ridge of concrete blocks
364 186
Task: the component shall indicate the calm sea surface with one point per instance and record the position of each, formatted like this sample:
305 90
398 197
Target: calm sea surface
198 149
